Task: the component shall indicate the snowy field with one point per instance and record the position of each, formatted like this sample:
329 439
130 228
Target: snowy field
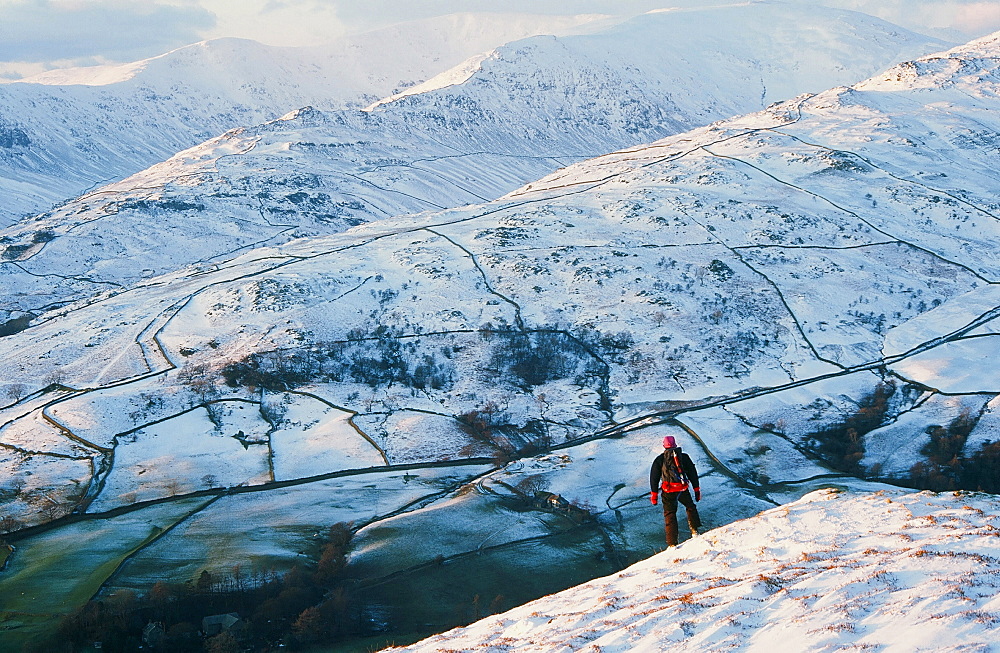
179 456
273 530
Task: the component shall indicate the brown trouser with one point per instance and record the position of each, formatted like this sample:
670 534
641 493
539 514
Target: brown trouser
670 500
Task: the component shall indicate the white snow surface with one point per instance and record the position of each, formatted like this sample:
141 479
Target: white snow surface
65 131
963 367
181 455
740 262
316 439
942 321
833 571
407 48
457 75
988 428
528 108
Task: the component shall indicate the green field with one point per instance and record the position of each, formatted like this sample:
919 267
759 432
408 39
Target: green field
54 573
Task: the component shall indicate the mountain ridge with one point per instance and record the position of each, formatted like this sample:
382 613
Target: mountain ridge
449 147
86 135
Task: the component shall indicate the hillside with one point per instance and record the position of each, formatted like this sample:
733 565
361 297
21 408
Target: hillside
316 172
804 296
831 571
67 131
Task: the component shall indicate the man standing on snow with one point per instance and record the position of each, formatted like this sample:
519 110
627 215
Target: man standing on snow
670 474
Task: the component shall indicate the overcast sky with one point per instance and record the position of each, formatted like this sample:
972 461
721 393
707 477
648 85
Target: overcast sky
41 34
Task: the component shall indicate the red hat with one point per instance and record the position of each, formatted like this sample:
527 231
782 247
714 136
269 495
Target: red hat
669 442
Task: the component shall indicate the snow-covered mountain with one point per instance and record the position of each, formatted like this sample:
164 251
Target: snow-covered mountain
314 172
832 571
65 131
803 296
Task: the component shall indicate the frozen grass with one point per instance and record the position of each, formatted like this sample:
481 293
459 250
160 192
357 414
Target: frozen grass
467 521
56 572
269 530
461 589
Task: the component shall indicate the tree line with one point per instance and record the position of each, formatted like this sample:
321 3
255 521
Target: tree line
310 604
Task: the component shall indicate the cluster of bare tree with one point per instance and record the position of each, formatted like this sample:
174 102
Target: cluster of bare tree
309 604
842 445
950 467
383 357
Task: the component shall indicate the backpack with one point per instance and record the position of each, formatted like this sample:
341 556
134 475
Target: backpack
672 477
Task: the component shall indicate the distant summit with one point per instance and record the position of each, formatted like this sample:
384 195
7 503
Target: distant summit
86 126
469 135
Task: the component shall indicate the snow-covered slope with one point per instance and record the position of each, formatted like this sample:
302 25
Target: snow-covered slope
65 131
802 295
523 111
740 279
365 63
832 571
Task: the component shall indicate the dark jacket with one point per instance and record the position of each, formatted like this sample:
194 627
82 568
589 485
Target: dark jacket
686 465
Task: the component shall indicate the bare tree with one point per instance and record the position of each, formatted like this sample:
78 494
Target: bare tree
529 485
15 391
173 487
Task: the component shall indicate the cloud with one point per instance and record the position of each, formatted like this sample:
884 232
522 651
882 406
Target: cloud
957 20
115 30
954 19
978 18
39 34
376 13
278 22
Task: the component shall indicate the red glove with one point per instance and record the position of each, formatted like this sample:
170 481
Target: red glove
653 497
697 494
